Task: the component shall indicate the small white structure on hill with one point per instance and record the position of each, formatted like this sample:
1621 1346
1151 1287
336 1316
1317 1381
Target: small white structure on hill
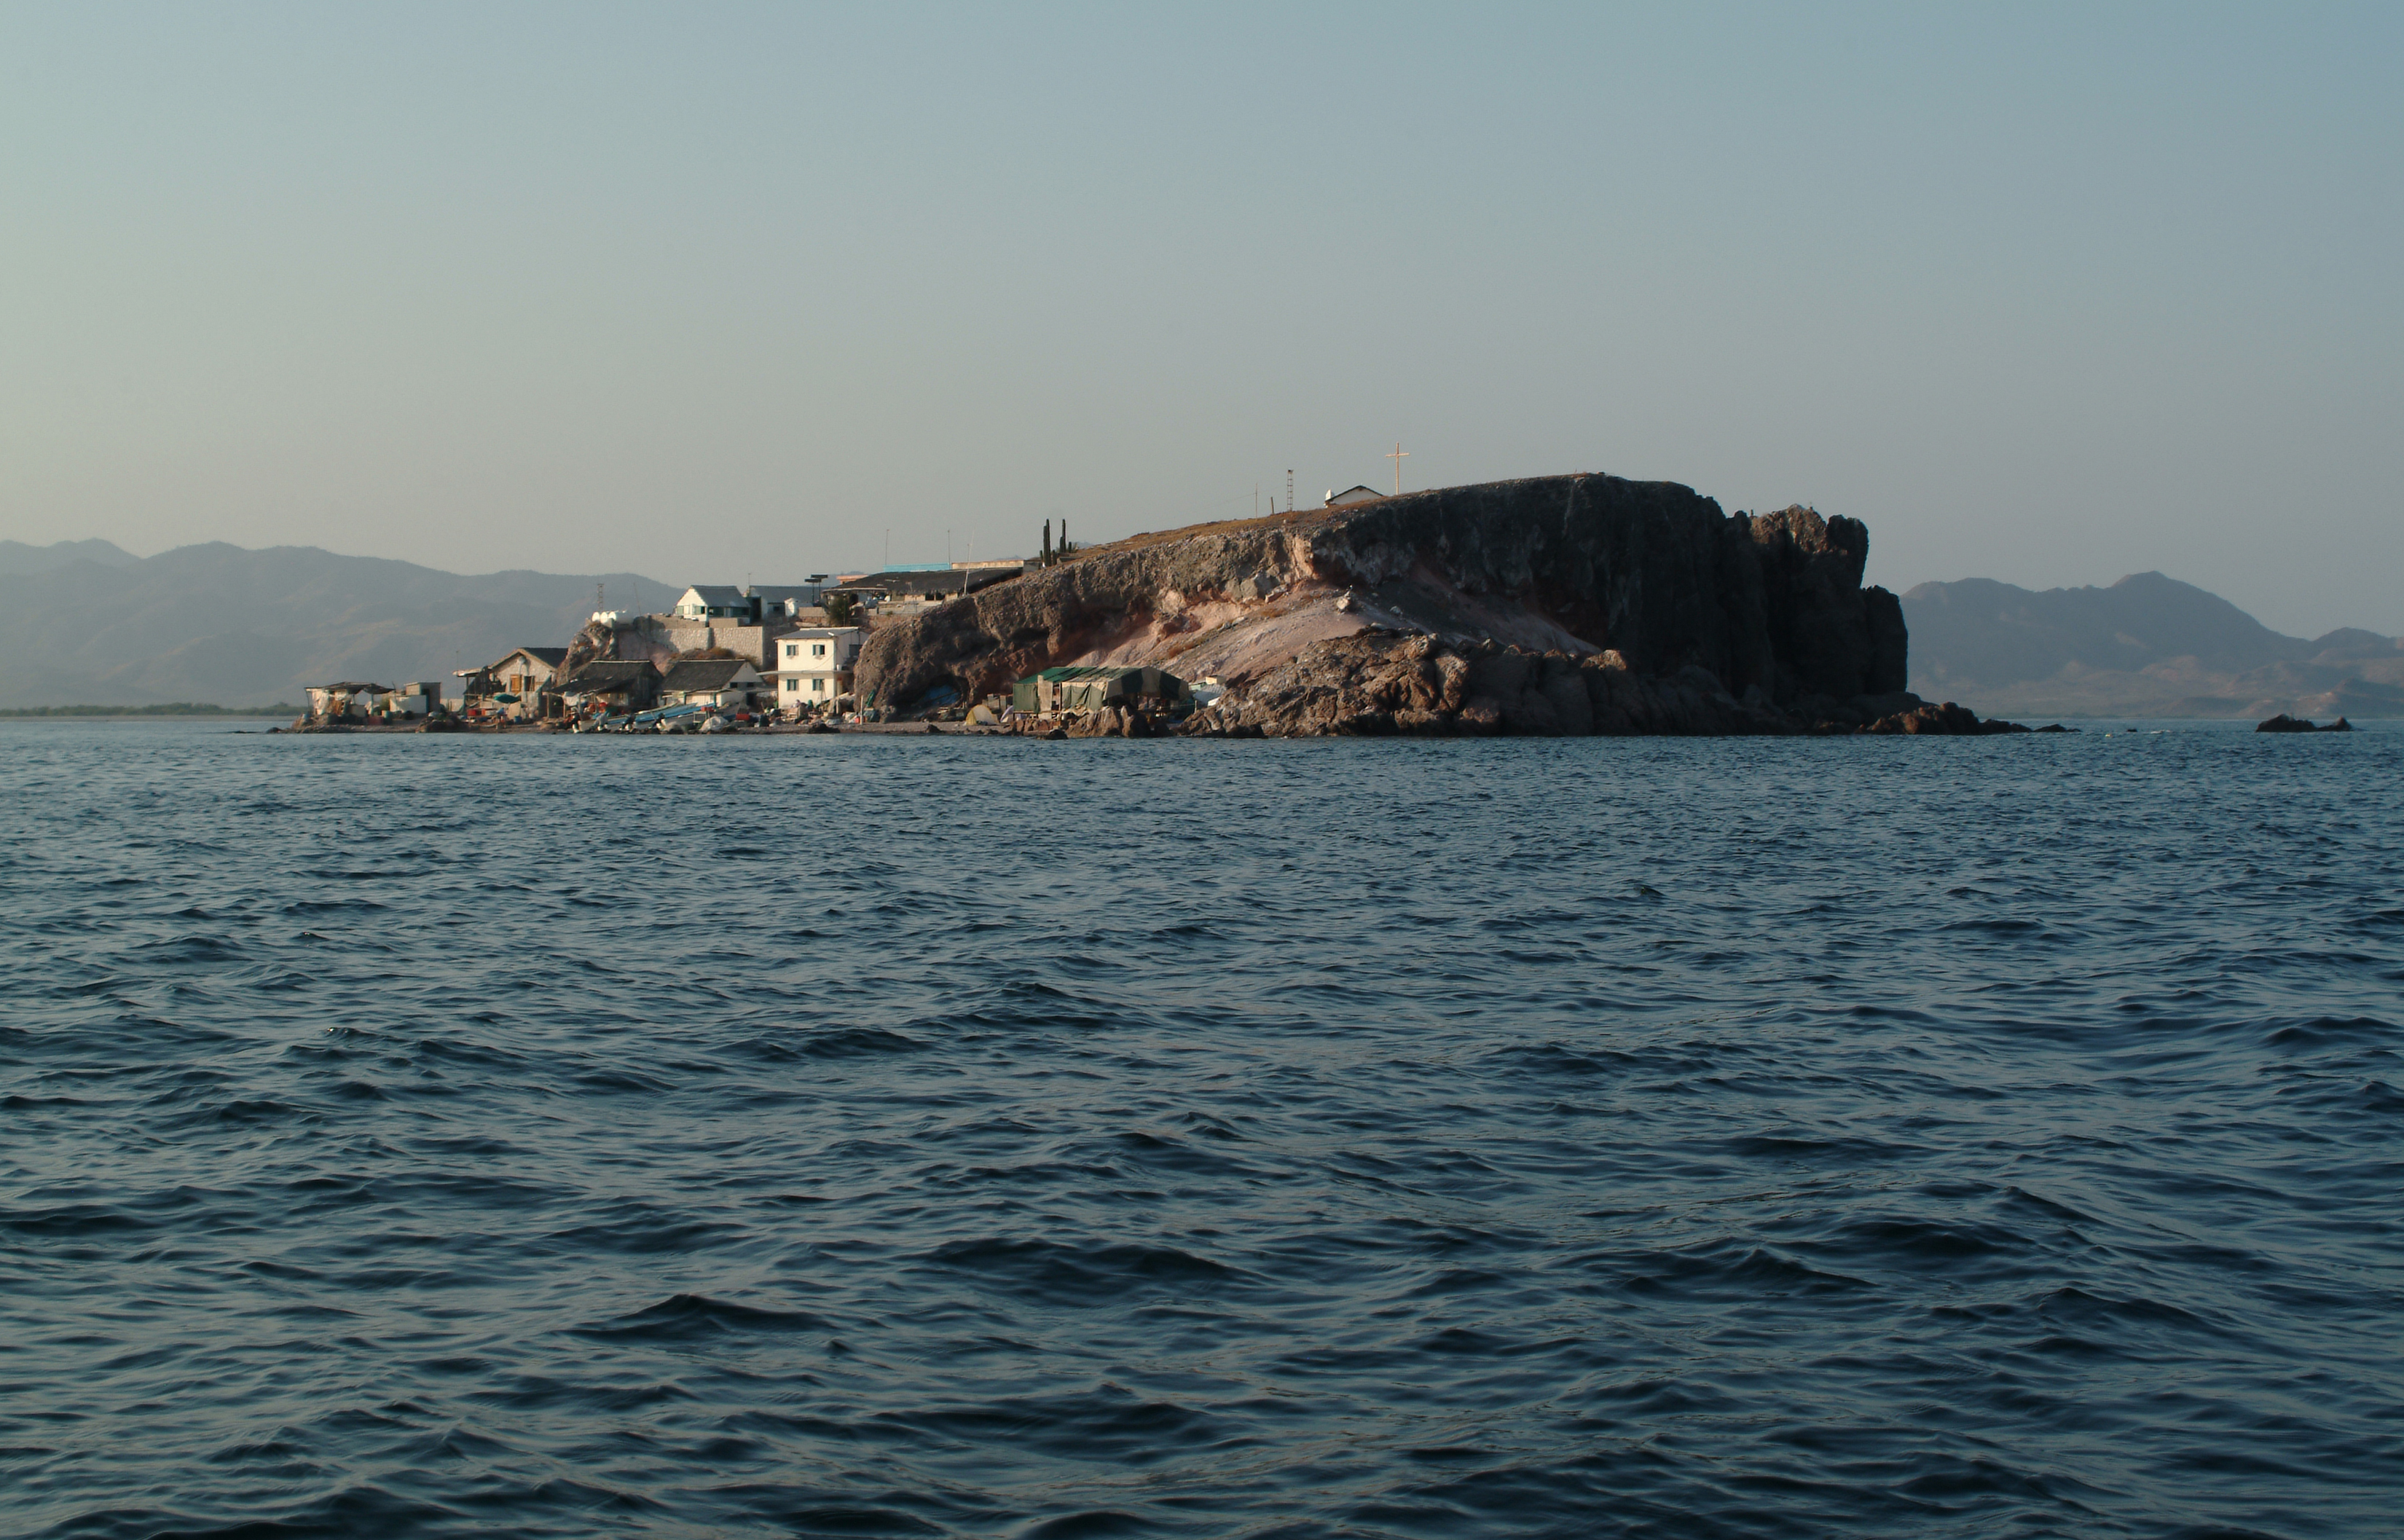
713 601
1351 495
786 600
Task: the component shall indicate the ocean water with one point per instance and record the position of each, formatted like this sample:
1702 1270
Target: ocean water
429 1136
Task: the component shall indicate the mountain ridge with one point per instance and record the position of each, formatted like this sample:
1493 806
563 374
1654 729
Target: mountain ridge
237 626
2147 645
19 559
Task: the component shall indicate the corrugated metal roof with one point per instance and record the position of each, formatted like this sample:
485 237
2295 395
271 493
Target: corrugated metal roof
703 674
606 673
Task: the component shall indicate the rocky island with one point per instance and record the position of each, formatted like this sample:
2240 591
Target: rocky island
1556 605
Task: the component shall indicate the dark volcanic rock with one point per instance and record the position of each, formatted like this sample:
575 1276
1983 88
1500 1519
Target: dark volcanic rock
2285 723
1380 684
1711 623
1946 721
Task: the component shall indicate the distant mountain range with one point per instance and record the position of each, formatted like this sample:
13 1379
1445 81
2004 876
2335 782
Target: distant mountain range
84 622
2147 646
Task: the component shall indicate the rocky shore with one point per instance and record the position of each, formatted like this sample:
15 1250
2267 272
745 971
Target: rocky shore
1380 683
1562 605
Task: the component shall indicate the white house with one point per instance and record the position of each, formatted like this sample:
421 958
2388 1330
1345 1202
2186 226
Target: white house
713 601
1351 495
813 666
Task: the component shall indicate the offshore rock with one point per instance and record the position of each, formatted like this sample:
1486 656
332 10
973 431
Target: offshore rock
1946 721
2286 723
1556 604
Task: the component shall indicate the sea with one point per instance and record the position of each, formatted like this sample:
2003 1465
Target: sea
564 1136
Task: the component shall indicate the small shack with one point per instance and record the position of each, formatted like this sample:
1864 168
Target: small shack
417 698
726 683
349 699
616 685
1092 687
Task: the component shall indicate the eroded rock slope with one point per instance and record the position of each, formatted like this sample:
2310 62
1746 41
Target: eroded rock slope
1763 612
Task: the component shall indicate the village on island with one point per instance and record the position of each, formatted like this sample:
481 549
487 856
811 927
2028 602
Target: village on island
759 658
1574 605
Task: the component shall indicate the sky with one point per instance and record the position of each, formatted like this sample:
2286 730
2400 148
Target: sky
729 292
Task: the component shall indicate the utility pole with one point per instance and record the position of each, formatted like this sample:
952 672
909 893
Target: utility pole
1398 456
1289 490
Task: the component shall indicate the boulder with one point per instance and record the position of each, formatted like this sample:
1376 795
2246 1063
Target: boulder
1377 684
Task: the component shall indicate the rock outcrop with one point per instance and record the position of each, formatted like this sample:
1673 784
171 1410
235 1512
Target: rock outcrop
645 639
1562 604
1382 683
2285 723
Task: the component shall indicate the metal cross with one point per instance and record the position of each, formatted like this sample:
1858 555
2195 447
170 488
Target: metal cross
1398 456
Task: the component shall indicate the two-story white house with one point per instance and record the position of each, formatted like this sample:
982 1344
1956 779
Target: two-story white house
813 667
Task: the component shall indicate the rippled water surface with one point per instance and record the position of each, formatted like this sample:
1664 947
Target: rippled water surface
881 1136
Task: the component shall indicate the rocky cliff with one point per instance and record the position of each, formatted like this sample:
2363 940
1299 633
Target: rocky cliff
1762 615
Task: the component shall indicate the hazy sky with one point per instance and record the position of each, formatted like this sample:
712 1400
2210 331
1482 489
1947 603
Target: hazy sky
2043 294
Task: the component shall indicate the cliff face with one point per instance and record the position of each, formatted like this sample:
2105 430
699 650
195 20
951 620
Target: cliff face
1770 605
